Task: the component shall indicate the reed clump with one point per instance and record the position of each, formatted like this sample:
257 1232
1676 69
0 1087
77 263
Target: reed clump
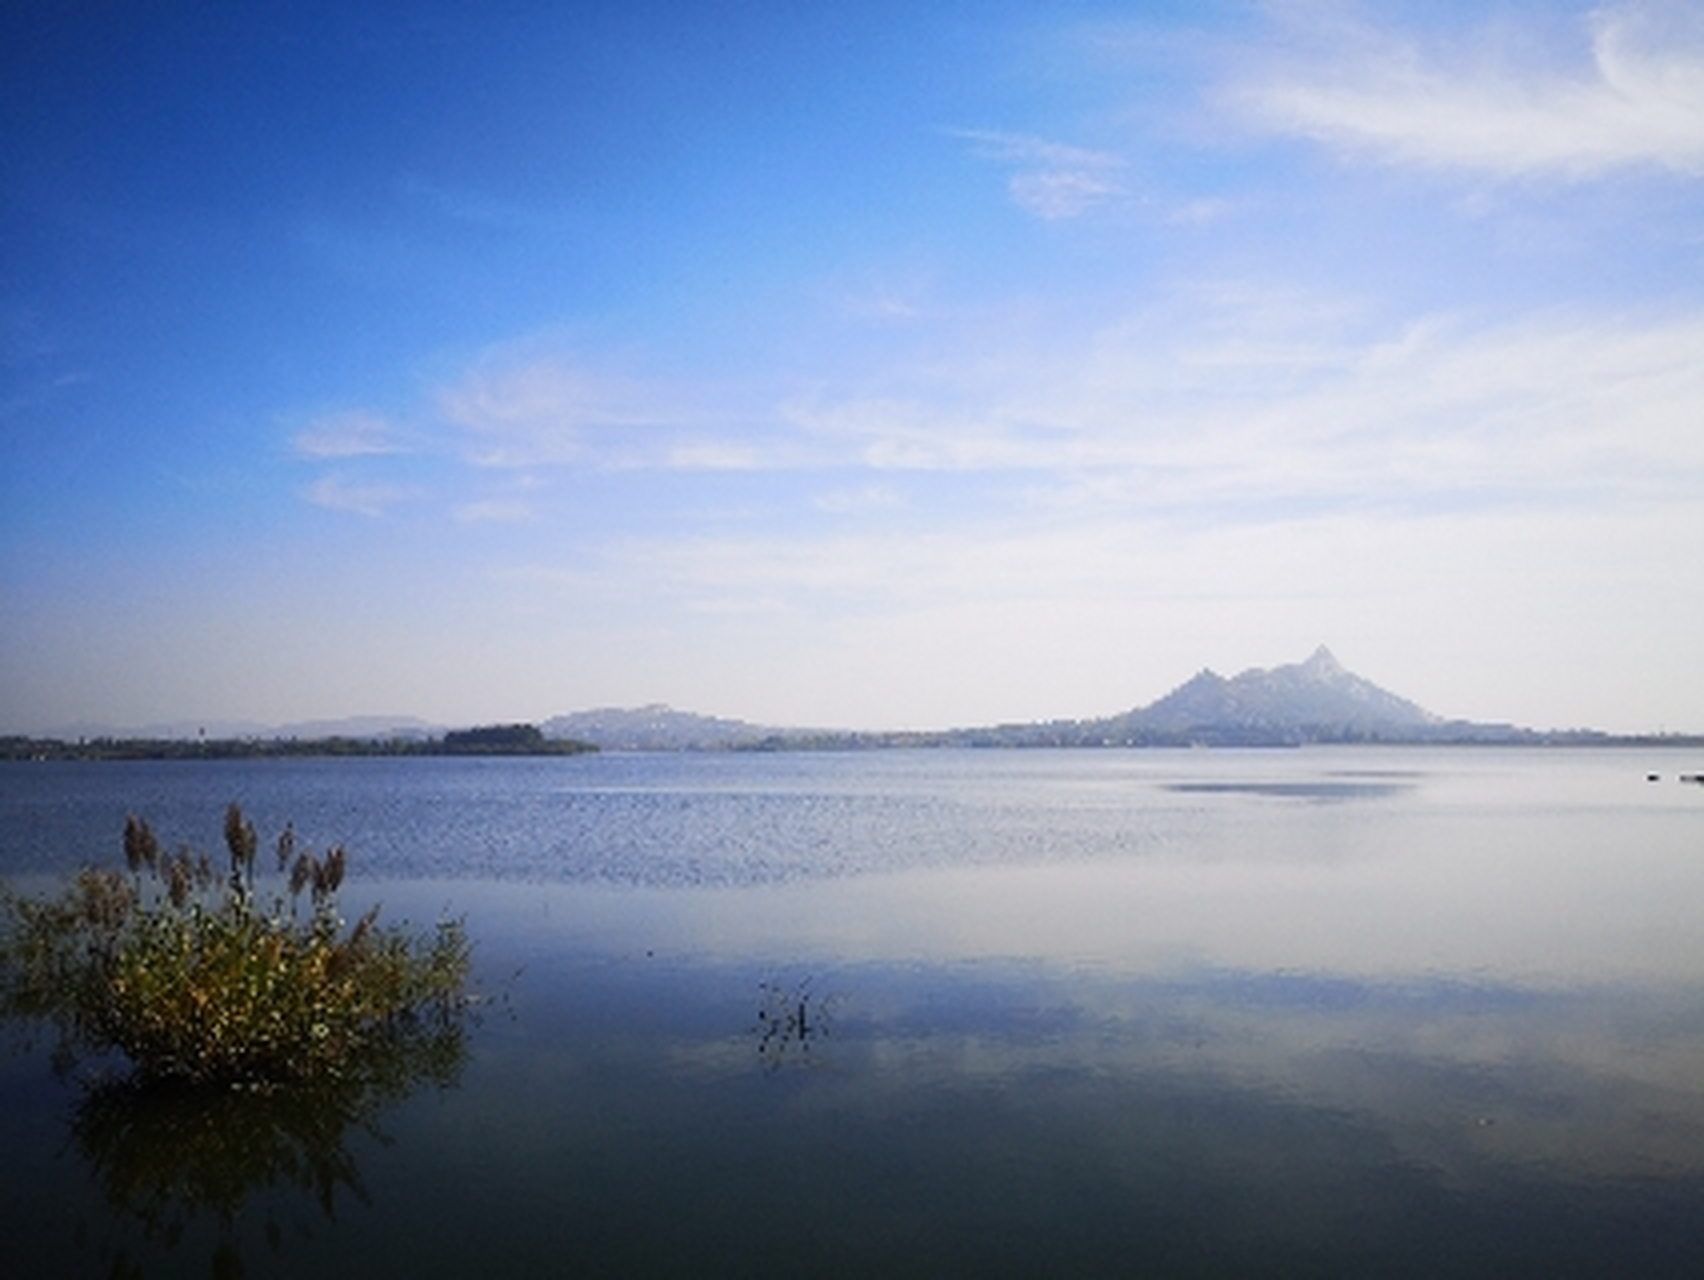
193 975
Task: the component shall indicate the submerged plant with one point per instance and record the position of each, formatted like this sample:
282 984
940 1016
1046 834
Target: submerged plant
188 974
789 1021
168 1154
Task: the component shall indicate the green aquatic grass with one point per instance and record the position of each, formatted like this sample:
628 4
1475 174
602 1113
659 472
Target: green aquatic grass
191 975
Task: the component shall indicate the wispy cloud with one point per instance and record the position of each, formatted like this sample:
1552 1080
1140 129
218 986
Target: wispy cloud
873 497
495 511
889 301
354 433
1052 180
1484 102
541 410
520 407
340 493
1242 396
1227 399
1202 211
724 455
477 208
933 429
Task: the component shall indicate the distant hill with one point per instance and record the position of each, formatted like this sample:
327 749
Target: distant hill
658 728
1318 695
1315 701
1318 700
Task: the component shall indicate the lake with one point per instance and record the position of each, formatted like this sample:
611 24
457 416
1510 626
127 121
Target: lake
1328 1011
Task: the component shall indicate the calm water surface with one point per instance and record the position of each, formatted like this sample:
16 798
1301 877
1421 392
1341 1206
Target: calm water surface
1320 1012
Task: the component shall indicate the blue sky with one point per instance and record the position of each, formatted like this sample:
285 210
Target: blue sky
876 365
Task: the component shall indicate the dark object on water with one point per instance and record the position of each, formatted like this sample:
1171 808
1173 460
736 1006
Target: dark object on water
790 1022
1693 777
1653 777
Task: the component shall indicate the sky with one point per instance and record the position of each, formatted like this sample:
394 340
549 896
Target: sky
867 365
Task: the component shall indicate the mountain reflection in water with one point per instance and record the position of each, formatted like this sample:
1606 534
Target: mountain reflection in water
1330 1013
1322 789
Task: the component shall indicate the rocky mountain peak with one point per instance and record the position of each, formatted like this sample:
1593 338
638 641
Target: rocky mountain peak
1323 664
1309 700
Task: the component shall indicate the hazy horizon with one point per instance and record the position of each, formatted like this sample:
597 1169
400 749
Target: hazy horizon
378 725
877 366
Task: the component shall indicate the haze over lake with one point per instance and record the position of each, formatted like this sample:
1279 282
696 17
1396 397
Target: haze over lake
1339 1011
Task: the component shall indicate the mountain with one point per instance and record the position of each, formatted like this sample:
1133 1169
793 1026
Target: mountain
405 728
658 728
1316 700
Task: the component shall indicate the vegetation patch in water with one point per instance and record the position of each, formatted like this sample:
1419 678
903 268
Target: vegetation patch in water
193 976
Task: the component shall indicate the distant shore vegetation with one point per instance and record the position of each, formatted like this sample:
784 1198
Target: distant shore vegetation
485 740
479 742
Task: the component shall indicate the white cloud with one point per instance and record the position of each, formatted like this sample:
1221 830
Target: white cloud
930 430
1480 105
1223 400
721 455
884 304
354 433
541 410
1250 398
339 493
521 408
1054 194
494 512
1053 181
873 497
1201 212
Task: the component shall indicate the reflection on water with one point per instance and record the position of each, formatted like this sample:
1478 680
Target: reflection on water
981 1118
792 1024
1019 1119
181 1162
1345 1013
1321 789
